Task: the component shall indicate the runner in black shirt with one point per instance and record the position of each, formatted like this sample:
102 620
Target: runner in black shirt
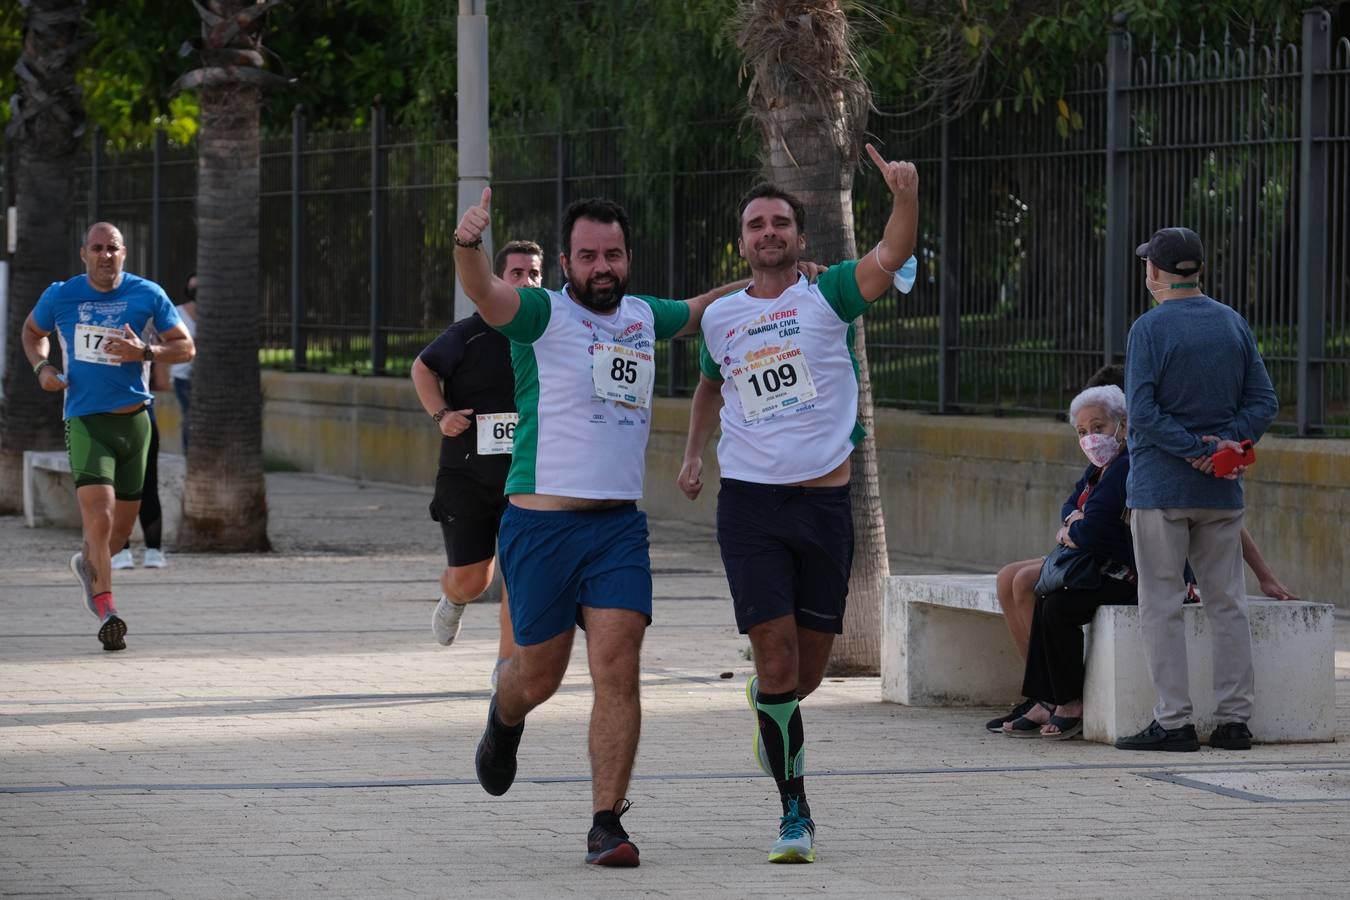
465 383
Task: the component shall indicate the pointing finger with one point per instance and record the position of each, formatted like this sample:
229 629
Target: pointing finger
877 158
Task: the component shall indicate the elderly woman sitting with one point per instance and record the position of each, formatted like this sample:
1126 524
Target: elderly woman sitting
1095 527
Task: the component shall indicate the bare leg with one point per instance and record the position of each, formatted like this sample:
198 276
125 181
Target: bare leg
532 676
614 648
1015 589
463 584
506 642
97 504
777 658
813 655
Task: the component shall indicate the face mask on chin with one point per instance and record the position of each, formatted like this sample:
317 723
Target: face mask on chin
1100 449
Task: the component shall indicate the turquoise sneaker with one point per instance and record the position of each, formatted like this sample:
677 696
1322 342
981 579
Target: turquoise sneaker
796 838
751 692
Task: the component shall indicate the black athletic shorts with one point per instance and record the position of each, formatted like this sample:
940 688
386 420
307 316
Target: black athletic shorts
469 512
787 551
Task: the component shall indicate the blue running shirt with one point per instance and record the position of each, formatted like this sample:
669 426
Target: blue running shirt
83 318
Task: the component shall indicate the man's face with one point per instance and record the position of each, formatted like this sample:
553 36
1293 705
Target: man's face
104 253
598 269
769 235
523 270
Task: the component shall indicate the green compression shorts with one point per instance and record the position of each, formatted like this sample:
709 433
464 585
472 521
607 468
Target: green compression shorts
110 448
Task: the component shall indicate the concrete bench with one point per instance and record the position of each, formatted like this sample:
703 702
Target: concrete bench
49 492
944 643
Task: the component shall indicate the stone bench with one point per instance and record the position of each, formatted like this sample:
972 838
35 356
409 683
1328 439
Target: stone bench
49 492
944 643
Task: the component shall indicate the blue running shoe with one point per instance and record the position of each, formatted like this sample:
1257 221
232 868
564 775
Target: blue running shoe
796 838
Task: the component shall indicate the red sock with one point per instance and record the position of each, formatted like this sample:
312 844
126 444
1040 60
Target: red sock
103 604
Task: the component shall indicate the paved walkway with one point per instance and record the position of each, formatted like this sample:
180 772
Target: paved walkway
284 726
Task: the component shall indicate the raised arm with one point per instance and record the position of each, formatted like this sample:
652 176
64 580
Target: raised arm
879 265
703 414
496 300
700 303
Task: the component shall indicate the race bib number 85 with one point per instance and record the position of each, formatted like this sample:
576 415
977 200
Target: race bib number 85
90 341
774 383
622 374
496 433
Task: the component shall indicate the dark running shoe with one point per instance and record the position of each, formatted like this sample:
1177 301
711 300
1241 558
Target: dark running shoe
495 761
1231 736
1156 737
607 844
112 632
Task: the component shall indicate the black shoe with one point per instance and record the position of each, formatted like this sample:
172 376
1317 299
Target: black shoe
495 761
112 632
607 844
995 726
1156 737
1231 736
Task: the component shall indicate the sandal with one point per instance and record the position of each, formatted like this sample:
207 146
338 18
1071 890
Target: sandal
995 726
1022 727
1069 727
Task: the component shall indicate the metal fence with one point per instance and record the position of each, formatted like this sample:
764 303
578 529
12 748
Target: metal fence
1029 219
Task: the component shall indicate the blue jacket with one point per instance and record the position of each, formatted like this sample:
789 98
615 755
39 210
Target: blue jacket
1103 529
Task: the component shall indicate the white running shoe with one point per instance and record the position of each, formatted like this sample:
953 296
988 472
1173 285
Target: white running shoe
446 620
122 559
86 587
154 559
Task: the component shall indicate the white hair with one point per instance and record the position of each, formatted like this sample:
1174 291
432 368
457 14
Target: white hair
1107 396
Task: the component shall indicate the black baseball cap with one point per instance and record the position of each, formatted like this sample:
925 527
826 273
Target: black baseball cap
1175 250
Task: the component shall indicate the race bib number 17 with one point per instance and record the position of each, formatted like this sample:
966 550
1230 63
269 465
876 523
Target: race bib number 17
622 374
496 433
90 341
774 383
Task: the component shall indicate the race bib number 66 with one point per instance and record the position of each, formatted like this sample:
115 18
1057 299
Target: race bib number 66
622 374
496 433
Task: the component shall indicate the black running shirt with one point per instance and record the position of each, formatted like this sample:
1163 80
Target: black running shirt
474 364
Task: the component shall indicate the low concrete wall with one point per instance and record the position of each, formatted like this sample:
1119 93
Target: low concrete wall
972 491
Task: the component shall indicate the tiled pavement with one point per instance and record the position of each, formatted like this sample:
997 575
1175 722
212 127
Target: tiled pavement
284 726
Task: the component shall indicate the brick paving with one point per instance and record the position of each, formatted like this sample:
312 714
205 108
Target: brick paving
285 726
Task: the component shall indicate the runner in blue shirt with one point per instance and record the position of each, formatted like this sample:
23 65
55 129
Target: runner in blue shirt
101 319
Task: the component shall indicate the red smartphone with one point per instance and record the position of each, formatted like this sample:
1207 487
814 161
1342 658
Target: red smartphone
1228 459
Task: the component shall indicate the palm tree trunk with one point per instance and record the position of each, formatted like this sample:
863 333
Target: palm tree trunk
811 111
45 137
224 497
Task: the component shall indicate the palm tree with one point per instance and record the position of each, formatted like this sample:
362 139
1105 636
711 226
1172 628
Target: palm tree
224 497
44 135
810 101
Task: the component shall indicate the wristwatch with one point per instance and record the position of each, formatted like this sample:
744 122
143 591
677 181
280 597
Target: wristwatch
148 354
440 414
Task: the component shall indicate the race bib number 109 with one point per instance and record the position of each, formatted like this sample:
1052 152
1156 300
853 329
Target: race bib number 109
496 433
90 341
622 374
773 383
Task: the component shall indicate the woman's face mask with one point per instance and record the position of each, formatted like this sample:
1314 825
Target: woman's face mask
1101 448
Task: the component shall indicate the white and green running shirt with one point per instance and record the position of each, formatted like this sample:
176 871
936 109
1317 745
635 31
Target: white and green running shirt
789 378
583 391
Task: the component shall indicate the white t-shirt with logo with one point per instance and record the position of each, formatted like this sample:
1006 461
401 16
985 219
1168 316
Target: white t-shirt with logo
789 378
583 392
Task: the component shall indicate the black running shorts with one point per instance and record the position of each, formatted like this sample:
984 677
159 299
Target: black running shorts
469 512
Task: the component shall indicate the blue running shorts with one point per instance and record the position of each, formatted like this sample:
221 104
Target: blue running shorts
556 562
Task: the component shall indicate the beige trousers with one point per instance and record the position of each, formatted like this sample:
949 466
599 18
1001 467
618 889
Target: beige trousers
1212 540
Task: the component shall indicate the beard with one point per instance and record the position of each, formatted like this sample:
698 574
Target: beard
604 299
774 258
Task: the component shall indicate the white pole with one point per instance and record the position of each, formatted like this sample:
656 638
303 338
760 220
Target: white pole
474 170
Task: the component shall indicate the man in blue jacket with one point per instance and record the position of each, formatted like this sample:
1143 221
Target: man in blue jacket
1195 383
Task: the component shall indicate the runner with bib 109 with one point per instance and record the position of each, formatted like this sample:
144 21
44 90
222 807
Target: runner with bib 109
778 366
573 545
